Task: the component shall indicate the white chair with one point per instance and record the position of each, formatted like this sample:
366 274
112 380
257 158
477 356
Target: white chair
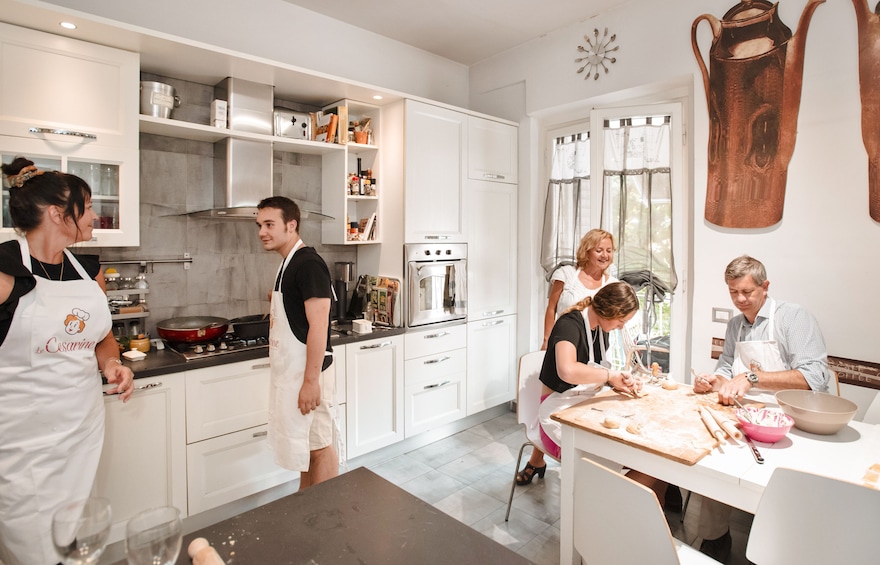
528 400
618 521
806 518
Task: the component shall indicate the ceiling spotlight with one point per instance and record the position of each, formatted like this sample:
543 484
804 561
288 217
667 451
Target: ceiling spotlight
377 97
68 25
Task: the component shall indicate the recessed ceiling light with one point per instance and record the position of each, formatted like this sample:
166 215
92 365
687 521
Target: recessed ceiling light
377 97
68 25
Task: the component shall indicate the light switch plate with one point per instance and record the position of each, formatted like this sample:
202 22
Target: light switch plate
721 315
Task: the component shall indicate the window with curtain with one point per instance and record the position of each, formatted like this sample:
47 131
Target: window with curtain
637 209
567 205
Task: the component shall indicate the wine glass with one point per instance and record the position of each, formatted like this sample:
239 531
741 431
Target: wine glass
153 537
80 530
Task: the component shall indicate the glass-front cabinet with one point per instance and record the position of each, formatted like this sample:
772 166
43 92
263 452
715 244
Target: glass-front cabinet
112 175
76 114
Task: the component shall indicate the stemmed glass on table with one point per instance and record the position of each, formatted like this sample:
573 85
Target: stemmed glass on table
153 537
80 530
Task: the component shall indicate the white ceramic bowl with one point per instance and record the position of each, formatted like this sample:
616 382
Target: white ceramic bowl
816 412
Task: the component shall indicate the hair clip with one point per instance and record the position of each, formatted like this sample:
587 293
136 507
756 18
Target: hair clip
24 175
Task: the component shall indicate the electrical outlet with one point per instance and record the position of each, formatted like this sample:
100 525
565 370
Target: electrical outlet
721 315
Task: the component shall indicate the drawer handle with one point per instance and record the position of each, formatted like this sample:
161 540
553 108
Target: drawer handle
377 345
63 132
264 433
436 237
142 387
492 176
438 385
438 334
439 360
495 313
493 323
261 366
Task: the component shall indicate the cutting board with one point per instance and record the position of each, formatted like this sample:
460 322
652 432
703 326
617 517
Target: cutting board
669 420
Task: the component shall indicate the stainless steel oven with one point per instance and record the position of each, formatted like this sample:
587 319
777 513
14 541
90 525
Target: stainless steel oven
437 282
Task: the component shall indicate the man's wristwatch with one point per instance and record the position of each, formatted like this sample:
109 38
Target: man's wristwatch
753 378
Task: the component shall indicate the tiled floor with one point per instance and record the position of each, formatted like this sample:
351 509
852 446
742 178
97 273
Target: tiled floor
468 476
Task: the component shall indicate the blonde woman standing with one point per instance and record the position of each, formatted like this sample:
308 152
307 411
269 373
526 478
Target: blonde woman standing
569 285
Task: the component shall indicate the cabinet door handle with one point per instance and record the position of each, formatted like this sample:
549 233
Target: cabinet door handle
494 313
264 433
492 176
493 323
261 366
142 387
438 360
438 334
377 345
64 132
438 385
436 237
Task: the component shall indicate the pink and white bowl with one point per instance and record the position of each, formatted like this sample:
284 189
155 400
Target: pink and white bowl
768 426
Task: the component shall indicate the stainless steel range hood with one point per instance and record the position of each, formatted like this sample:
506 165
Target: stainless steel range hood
243 167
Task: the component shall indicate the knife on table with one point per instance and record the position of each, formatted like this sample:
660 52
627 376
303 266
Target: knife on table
758 457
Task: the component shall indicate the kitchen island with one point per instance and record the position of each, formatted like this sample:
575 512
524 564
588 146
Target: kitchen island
357 517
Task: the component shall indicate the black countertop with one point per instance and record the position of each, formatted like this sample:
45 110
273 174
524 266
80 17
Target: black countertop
355 518
166 361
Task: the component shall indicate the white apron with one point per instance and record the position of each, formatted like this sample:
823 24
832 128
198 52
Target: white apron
52 421
288 429
761 355
558 401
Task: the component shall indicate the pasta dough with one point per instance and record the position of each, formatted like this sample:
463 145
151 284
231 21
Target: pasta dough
669 385
611 422
634 428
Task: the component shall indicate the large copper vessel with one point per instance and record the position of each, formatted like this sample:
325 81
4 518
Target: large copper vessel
869 86
753 90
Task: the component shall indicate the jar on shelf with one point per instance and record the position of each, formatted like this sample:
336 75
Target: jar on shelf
111 281
125 283
140 281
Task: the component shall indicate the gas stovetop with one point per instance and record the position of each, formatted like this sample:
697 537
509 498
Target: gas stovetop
229 343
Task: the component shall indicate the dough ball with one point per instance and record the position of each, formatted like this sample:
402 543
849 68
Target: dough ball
611 422
634 428
669 385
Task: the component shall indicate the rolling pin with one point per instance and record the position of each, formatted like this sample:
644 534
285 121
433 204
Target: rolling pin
727 425
712 425
202 553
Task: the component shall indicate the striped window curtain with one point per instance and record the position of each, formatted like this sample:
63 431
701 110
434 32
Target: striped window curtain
567 206
637 206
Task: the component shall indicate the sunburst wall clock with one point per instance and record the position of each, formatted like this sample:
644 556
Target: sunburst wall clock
596 54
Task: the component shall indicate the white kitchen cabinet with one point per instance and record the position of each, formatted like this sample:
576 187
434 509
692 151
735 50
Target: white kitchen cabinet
227 454
435 382
491 367
75 104
338 200
435 146
492 150
492 209
374 398
143 463
339 400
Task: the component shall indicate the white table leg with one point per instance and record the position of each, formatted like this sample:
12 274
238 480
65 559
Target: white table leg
567 553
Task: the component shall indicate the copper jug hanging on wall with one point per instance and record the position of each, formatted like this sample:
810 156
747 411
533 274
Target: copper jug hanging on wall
869 87
753 90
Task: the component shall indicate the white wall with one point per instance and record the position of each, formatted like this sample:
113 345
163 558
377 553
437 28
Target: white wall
282 32
824 252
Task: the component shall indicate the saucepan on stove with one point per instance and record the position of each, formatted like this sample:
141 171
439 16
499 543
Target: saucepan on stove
192 329
250 327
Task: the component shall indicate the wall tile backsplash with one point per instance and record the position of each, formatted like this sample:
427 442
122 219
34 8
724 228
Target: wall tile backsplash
230 274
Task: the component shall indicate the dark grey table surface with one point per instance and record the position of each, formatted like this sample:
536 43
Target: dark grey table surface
357 518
